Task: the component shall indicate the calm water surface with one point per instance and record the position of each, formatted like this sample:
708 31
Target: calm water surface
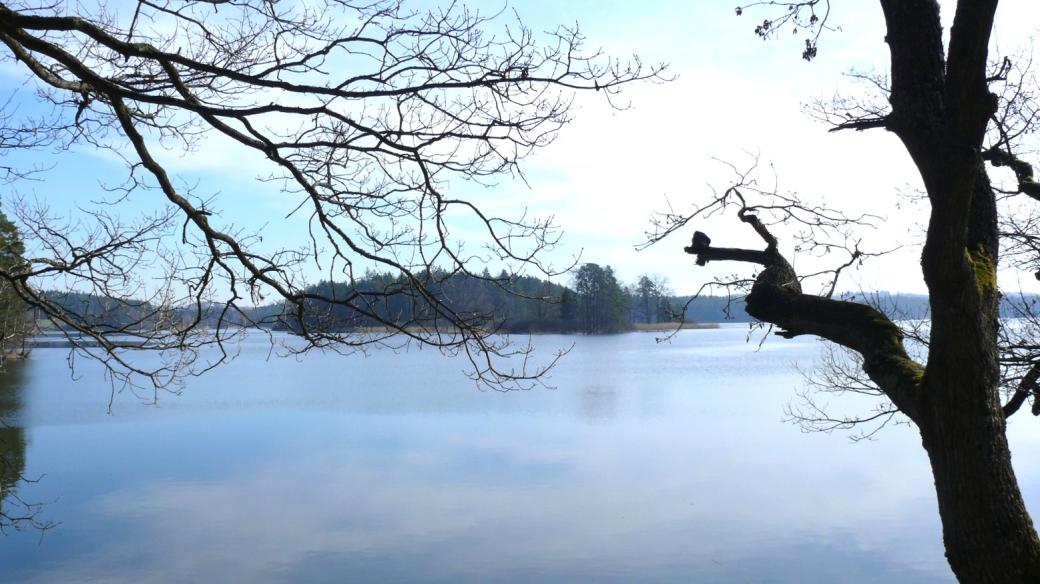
664 463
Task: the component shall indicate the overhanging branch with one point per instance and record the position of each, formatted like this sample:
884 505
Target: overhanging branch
1026 387
776 297
1027 184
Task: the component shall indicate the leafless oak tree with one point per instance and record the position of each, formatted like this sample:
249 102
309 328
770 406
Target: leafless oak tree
961 119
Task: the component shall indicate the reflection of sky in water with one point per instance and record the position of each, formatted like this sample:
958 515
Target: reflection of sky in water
646 463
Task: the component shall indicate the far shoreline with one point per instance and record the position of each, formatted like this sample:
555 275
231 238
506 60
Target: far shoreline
671 326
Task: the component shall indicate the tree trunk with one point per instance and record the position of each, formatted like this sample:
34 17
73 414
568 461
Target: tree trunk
987 531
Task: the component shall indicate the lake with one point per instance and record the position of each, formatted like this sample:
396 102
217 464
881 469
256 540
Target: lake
646 462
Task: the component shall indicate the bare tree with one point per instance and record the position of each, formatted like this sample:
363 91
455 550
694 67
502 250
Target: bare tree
960 120
365 114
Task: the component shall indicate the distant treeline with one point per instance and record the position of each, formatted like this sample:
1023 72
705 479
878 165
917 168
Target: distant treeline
595 302
103 312
113 315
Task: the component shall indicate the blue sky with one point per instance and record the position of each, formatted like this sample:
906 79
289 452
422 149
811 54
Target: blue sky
609 171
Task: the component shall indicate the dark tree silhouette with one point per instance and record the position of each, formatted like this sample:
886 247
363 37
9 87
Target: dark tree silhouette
363 113
602 303
14 324
954 115
648 300
16 513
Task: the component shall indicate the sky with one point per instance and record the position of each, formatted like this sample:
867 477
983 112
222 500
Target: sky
733 96
737 94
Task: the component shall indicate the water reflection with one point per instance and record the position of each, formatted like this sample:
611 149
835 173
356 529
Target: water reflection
646 463
599 402
12 445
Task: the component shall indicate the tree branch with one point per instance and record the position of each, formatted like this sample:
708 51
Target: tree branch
776 297
861 124
1000 157
1026 386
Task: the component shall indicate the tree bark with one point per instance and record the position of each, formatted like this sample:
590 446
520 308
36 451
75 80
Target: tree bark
987 530
988 534
940 110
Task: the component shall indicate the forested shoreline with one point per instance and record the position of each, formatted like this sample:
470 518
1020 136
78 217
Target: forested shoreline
595 302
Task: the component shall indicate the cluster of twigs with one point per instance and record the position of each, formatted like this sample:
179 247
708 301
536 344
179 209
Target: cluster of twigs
366 116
